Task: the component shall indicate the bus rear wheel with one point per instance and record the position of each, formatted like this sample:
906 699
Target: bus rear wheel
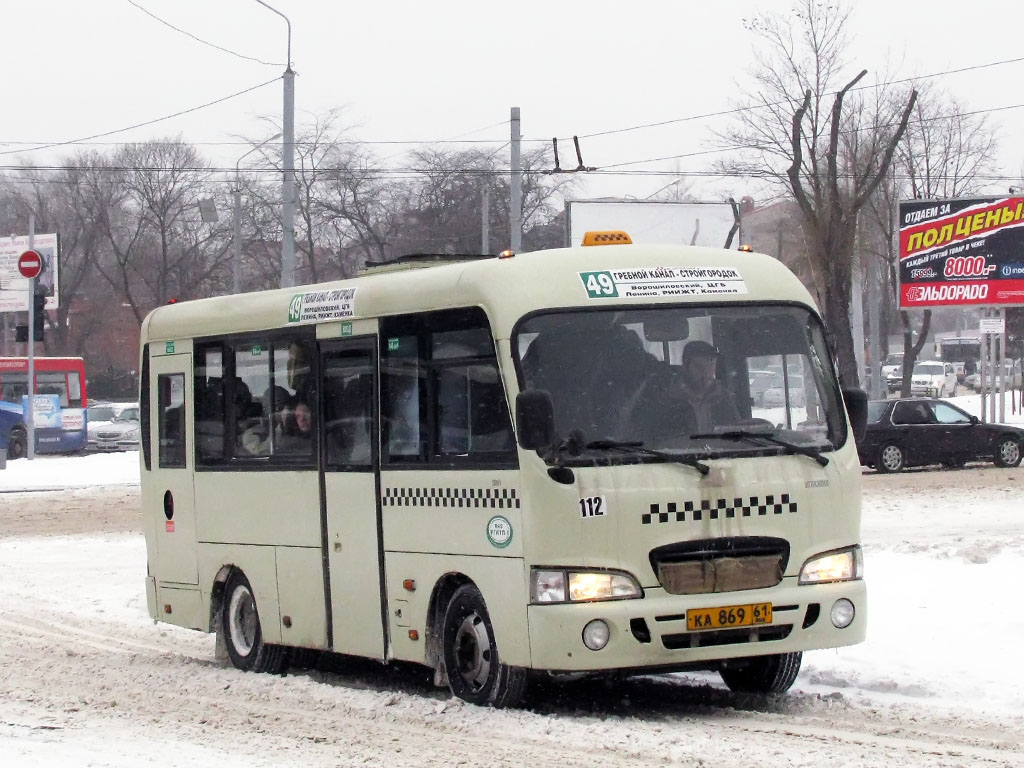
762 674
17 444
243 635
475 672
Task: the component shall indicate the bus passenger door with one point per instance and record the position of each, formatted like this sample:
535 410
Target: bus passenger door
171 461
348 428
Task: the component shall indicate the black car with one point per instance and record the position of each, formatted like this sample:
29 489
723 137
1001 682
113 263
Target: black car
917 431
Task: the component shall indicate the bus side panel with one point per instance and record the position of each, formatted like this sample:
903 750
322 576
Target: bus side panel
501 580
260 507
183 607
475 512
260 567
301 587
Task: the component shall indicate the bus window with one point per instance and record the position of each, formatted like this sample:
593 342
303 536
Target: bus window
14 387
171 419
209 404
442 395
252 379
348 408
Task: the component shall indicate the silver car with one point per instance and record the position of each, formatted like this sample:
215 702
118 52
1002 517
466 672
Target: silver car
113 427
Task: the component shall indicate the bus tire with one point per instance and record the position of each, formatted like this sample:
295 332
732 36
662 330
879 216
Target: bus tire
762 674
17 444
474 669
243 635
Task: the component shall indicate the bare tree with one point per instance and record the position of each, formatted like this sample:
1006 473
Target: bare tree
159 246
945 153
830 147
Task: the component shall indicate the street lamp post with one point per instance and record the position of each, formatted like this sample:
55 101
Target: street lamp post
236 256
288 161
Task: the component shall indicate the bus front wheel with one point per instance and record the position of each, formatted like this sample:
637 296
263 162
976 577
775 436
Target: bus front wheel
243 635
475 672
762 674
17 444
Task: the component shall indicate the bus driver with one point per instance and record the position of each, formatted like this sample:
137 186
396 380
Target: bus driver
711 401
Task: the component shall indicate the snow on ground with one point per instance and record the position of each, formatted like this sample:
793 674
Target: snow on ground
50 472
944 552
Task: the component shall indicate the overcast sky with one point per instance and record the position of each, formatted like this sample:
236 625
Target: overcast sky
414 71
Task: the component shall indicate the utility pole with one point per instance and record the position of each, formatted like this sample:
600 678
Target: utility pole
288 205
30 416
236 241
288 161
515 215
485 220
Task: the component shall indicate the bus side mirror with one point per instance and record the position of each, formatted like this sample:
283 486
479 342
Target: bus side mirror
535 419
856 401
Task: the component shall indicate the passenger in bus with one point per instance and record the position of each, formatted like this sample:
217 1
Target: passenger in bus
299 369
297 429
711 402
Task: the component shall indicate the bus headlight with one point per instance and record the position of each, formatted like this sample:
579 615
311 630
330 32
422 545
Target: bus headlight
840 565
560 586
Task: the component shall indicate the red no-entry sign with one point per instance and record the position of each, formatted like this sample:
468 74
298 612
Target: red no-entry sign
30 264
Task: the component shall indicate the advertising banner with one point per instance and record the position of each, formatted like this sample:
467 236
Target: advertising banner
14 287
653 221
963 252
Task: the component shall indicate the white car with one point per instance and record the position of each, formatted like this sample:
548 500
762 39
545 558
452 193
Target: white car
776 396
113 426
892 363
932 378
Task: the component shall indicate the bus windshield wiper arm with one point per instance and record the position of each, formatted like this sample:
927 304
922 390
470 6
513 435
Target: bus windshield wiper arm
637 446
747 434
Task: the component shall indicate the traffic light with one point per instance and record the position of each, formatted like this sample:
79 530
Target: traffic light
39 313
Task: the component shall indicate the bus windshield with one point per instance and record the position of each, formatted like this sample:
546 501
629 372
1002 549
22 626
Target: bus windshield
672 379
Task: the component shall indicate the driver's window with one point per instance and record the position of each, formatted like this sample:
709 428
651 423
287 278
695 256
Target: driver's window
947 414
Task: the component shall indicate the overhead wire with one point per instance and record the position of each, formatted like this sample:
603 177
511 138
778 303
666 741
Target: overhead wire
200 40
143 124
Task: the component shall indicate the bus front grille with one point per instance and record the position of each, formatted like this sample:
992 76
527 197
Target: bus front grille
720 565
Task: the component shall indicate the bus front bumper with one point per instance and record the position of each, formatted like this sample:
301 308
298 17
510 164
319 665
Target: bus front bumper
652 631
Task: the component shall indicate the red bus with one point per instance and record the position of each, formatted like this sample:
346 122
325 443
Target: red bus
60 402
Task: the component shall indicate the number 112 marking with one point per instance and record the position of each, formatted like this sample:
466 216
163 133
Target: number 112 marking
593 506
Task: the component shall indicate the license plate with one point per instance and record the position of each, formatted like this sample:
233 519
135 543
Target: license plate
728 616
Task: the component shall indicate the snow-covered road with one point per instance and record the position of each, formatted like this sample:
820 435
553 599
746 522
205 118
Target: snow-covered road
89 680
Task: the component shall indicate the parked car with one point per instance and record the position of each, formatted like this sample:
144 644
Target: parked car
760 382
13 435
776 396
909 432
1011 377
893 362
113 427
933 378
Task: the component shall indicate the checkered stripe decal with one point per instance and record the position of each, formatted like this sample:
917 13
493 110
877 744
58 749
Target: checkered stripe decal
749 506
487 498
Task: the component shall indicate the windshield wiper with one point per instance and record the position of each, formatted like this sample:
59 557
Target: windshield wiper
637 446
751 435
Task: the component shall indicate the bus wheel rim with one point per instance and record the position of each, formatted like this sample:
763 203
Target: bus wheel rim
473 651
242 621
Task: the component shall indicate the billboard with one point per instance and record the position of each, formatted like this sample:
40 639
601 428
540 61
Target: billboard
14 287
963 252
649 221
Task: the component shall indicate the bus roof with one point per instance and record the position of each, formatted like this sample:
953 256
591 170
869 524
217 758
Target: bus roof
506 288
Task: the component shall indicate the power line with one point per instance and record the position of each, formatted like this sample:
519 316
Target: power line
381 173
735 110
141 125
200 40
